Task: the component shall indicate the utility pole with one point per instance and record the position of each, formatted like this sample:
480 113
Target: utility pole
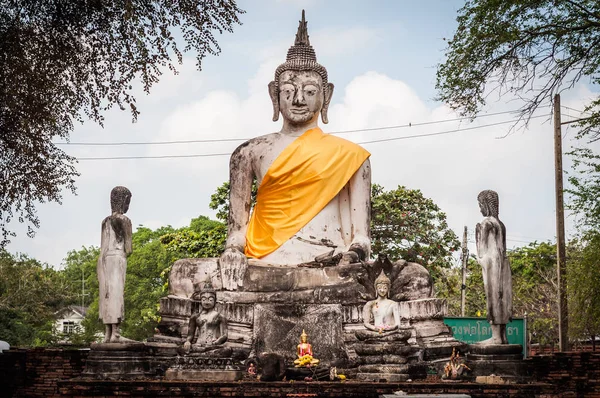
465 259
561 264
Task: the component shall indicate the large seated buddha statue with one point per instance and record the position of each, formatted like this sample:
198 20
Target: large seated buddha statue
309 229
314 192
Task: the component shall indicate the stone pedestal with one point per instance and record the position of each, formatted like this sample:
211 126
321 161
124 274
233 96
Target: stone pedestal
426 316
117 361
502 360
201 368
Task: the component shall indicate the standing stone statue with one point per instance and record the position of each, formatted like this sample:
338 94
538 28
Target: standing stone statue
115 245
490 237
315 188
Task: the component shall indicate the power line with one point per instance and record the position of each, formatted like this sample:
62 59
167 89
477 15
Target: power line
362 143
246 139
575 110
446 132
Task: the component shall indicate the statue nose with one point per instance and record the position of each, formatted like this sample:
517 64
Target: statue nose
298 98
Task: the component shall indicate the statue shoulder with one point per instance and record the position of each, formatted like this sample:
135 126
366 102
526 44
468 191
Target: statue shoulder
249 147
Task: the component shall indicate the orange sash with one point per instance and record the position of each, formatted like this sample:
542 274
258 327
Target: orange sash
303 179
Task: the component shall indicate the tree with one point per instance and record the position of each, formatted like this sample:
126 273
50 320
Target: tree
532 49
535 289
405 224
583 286
30 294
585 189
219 200
65 61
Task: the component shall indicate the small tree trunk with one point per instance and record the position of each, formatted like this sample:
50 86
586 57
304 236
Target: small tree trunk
593 342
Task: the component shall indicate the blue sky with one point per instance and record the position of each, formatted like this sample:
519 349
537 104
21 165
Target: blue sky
401 39
381 56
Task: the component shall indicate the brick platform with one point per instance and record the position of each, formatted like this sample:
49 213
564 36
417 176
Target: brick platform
92 388
57 373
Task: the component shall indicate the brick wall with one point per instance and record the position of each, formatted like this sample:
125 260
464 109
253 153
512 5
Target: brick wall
577 372
46 373
35 373
350 389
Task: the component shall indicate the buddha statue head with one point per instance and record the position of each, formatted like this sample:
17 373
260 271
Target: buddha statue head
382 285
207 296
488 203
303 337
120 197
300 90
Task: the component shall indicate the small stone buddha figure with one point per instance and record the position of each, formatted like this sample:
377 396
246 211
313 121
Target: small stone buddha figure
209 324
305 353
385 314
115 246
315 188
490 237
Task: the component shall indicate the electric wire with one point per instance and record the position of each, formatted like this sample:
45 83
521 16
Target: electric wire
246 139
360 143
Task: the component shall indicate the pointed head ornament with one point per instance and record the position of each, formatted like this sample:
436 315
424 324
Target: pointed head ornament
382 279
302 57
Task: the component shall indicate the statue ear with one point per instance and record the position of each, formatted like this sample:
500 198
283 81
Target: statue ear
328 93
274 93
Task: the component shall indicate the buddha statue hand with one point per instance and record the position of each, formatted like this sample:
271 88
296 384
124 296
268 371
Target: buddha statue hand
233 264
361 246
187 346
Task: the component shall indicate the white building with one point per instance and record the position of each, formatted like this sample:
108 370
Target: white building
68 319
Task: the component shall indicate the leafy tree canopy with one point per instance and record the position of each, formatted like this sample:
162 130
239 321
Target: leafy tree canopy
405 224
30 294
532 49
583 286
62 62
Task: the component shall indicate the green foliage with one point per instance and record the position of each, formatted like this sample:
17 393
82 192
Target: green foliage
532 49
535 289
448 286
144 283
583 286
62 62
220 200
405 224
30 294
585 188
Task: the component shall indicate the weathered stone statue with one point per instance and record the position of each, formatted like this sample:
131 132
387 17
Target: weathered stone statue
314 193
385 315
490 237
115 245
208 327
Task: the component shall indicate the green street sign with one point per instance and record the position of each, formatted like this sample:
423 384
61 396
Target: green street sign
473 330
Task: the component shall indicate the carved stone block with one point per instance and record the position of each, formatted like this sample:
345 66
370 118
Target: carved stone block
277 328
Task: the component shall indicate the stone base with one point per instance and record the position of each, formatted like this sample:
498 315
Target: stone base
318 373
502 360
117 361
204 374
495 349
385 377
